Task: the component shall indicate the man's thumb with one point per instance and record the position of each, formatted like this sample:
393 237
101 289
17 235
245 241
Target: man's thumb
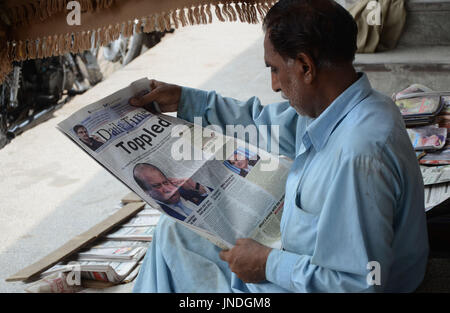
149 98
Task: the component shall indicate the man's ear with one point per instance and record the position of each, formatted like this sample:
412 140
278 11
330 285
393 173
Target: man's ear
307 67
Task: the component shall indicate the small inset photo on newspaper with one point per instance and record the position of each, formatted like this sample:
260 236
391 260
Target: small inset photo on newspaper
92 141
242 161
178 197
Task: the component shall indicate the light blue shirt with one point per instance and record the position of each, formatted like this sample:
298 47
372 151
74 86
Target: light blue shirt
354 195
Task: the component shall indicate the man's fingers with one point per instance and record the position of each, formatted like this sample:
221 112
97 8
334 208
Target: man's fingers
148 98
134 101
154 83
176 182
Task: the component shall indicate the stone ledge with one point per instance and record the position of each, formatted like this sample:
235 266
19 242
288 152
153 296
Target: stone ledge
427 5
430 58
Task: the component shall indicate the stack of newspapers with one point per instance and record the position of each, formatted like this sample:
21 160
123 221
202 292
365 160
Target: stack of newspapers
427 118
110 260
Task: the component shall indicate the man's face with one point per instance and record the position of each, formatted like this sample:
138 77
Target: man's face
239 161
161 188
286 77
83 134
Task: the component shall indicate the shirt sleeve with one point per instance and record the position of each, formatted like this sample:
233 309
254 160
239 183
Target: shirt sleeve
222 111
355 227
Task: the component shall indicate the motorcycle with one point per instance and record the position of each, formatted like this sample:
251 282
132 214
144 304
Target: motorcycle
35 88
126 49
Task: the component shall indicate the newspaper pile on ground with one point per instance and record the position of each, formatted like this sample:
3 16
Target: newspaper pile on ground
221 187
427 117
113 259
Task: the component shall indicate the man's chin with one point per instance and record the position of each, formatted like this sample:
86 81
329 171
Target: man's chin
299 111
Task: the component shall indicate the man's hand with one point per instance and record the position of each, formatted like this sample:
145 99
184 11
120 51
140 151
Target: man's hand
97 138
166 95
188 184
247 260
178 182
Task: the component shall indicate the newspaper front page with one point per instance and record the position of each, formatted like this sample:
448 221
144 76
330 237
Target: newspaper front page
216 185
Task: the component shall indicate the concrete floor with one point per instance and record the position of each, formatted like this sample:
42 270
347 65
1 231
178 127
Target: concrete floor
51 191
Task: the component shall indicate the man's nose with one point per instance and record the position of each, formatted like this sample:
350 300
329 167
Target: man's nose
275 83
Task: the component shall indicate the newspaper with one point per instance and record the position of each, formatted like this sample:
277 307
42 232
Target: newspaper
436 194
54 283
440 157
428 137
108 244
133 274
107 271
112 254
412 89
420 105
144 233
196 180
446 108
142 220
435 174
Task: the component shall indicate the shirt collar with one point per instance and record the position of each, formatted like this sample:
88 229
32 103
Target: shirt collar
182 205
321 128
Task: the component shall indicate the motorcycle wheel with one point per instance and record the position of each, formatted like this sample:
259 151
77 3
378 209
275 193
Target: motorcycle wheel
134 48
124 49
112 51
3 129
89 68
4 91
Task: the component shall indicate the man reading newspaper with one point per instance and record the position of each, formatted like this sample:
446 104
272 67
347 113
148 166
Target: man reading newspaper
353 218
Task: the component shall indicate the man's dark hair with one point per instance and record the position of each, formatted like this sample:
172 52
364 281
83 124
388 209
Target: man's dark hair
77 127
322 29
142 183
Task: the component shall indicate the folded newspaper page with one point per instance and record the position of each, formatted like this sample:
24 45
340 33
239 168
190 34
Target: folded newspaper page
54 283
221 187
144 233
429 137
412 89
446 108
142 220
111 254
440 157
107 271
56 279
435 174
108 244
420 105
436 194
